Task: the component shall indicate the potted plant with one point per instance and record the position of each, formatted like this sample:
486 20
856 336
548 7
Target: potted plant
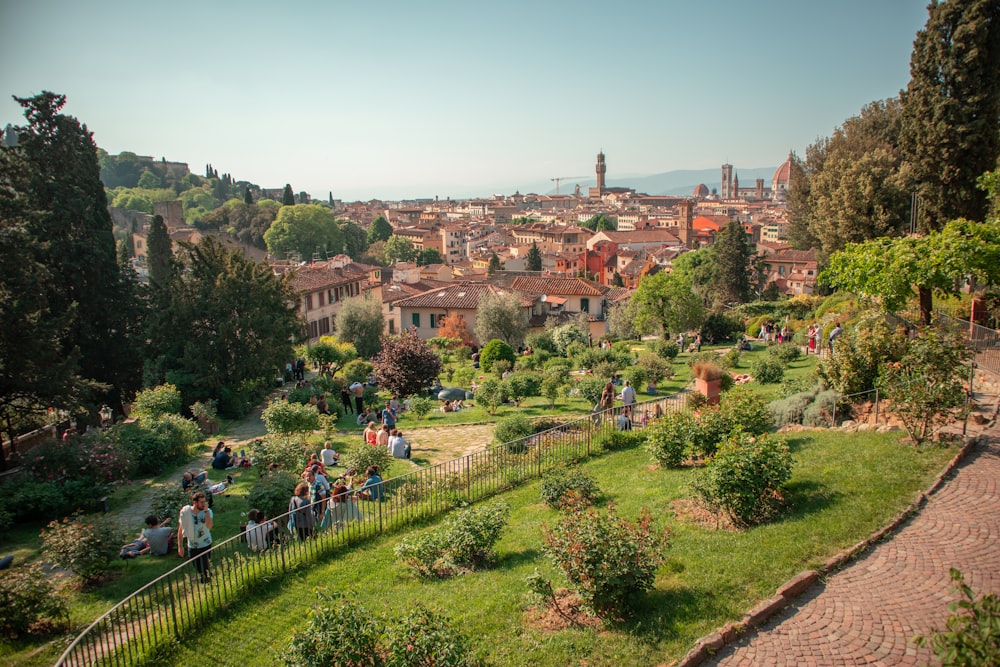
708 380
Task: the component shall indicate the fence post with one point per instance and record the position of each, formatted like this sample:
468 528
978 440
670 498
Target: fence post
834 422
876 406
173 612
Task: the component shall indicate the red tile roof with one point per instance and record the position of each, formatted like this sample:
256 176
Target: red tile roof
462 296
572 286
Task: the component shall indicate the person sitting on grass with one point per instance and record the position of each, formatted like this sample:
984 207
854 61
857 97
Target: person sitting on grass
382 440
193 478
258 530
372 489
219 488
328 456
154 539
225 460
398 446
313 462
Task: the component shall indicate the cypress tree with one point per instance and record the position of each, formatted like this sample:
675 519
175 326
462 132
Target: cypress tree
247 197
950 110
159 254
287 196
534 258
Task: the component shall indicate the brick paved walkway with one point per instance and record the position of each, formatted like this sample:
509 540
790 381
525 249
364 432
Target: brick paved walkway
867 613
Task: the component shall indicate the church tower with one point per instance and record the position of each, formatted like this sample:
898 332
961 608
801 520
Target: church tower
601 168
736 186
685 223
726 190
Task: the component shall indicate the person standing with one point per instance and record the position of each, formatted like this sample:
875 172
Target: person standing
195 528
345 398
837 330
358 390
628 396
302 518
389 416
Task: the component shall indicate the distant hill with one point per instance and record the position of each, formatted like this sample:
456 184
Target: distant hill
678 182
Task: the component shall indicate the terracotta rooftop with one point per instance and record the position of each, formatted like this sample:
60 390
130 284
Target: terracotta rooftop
312 278
464 296
573 286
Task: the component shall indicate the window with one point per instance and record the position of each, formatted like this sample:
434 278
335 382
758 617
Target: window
313 330
392 326
584 305
319 297
416 320
309 302
324 326
432 321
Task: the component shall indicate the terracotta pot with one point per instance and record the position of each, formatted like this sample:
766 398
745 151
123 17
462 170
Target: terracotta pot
710 389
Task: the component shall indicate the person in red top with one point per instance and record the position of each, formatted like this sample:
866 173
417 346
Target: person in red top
314 461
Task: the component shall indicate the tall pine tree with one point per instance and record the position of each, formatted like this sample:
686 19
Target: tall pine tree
950 110
733 254
533 260
287 196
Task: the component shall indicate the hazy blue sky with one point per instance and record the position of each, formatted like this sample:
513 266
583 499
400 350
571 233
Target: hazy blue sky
405 98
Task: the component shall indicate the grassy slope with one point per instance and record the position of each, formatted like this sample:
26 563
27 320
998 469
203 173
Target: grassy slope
844 486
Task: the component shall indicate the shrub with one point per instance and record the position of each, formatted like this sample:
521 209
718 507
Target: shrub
636 375
673 438
496 350
271 492
742 480
665 349
550 389
491 394
465 541
767 370
29 601
541 341
695 400
338 631
286 417
591 388
731 359
425 639
786 352
300 395
363 456
177 433
707 370
567 334
656 368
205 410
718 327
153 403
746 410
790 410
821 411
511 429
558 362
464 376
519 386
608 560
420 406
82 544
167 501
357 370
545 423
860 352
973 630
285 451
558 483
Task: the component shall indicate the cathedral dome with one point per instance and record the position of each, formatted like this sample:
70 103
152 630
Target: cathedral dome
701 190
782 179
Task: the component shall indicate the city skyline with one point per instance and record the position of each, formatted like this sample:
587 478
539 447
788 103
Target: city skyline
398 100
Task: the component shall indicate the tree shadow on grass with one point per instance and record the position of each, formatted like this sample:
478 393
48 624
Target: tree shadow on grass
804 498
661 615
516 558
795 444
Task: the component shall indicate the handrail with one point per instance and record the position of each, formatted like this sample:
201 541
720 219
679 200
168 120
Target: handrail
166 608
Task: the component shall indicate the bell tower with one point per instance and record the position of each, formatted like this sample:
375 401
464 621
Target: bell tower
601 169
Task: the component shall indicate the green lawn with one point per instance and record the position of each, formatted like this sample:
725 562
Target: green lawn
844 486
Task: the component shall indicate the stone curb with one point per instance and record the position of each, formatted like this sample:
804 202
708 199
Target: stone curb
710 644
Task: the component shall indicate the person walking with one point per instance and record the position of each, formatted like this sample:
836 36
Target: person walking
195 529
837 330
358 390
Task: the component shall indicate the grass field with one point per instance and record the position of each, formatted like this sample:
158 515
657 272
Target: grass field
844 486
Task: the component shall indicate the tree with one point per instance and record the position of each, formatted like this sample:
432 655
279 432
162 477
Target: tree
534 259
360 322
330 354
429 256
355 240
848 189
149 180
380 230
733 257
58 213
494 351
494 264
247 196
666 303
227 330
453 326
399 249
306 229
287 196
600 223
950 109
159 254
406 365
501 316
621 319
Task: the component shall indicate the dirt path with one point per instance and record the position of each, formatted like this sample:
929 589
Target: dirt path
438 444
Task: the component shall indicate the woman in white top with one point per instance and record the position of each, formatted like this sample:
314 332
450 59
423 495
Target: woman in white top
258 531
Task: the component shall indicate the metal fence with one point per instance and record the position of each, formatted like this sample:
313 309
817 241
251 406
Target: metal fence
167 608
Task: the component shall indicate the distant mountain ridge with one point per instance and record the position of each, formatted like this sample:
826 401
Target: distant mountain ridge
679 182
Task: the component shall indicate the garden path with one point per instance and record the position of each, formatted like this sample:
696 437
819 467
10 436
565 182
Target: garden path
868 612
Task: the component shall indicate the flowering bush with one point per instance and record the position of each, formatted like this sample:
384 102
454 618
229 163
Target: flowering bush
339 631
607 559
363 456
95 461
559 483
288 452
742 480
425 639
767 370
465 541
82 544
153 403
673 438
28 600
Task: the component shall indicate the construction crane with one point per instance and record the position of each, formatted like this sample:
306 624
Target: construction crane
562 178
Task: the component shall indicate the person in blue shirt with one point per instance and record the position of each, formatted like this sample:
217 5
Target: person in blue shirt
373 488
389 416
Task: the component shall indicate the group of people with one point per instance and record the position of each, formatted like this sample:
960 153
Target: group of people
315 503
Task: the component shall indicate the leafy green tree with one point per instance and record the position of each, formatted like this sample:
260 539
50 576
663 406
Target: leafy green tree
289 418
355 239
287 196
733 259
306 229
950 109
399 249
665 302
494 264
849 190
600 223
406 365
380 230
621 320
501 316
122 170
429 256
534 258
53 189
494 351
150 180
247 196
361 323
227 330
159 254
330 354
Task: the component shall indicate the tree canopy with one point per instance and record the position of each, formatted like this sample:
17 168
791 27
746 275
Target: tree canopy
380 230
406 365
360 322
534 258
305 230
399 249
501 316
666 303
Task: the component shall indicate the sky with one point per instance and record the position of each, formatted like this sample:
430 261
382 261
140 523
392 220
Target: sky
400 99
